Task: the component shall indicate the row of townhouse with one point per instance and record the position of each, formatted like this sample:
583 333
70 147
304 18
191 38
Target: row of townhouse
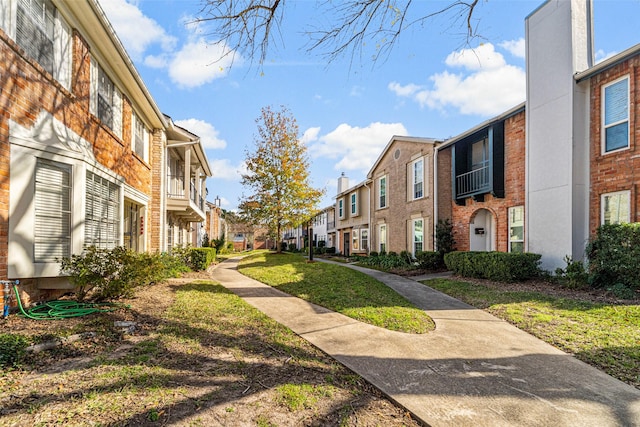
86 155
540 177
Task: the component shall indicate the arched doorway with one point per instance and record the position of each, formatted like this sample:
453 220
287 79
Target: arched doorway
481 231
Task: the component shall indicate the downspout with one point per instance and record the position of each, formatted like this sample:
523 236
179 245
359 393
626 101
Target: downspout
435 196
369 208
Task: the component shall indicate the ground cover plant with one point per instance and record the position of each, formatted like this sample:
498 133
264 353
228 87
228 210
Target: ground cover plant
340 289
198 356
601 332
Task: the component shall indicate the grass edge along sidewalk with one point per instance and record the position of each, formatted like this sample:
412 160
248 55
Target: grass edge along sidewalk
603 335
343 290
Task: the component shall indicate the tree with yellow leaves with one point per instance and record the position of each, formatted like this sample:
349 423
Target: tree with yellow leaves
277 178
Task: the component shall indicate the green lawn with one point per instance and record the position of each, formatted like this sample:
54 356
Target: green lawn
337 288
603 335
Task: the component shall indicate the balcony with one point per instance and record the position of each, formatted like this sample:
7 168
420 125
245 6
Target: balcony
475 182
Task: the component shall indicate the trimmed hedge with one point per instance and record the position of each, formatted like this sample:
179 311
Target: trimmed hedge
498 266
613 256
201 258
428 260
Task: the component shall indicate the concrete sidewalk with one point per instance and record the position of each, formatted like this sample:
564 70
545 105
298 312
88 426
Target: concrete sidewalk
473 370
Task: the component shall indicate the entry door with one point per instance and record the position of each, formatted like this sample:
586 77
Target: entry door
347 239
132 226
481 232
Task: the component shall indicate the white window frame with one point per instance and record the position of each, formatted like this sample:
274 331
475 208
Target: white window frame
620 195
364 239
382 238
516 219
355 239
605 126
353 203
139 137
59 36
53 203
98 74
103 212
341 208
382 192
416 181
414 236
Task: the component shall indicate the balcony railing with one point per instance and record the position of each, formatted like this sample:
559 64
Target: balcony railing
474 182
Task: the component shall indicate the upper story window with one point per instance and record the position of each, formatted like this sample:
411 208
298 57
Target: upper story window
139 137
40 30
616 207
354 204
106 100
417 179
479 154
340 208
382 192
615 115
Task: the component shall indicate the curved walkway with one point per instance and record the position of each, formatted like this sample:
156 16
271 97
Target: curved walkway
473 370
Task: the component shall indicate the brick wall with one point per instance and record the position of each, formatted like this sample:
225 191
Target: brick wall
462 216
619 170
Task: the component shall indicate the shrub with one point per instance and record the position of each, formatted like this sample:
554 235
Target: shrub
205 241
218 244
498 266
331 250
406 257
292 247
613 256
430 260
445 242
574 276
201 258
373 254
12 350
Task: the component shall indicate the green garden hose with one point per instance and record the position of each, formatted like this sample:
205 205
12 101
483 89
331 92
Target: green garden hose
63 309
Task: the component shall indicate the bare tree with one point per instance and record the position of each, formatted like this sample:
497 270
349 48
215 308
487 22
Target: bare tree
248 26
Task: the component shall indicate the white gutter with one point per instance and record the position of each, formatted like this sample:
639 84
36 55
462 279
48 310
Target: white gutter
435 196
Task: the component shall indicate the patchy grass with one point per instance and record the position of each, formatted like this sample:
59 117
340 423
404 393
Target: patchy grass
606 336
340 289
200 356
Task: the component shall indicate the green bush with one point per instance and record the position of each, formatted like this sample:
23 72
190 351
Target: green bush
12 350
430 260
292 247
103 274
613 256
201 258
331 250
498 266
445 242
574 276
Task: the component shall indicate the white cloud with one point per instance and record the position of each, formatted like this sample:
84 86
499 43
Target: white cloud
601 55
207 133
355 148
196 63
486 86
310 135
515 47
136 31
223 169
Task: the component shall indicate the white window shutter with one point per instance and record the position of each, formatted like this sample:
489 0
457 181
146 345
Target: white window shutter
62 52
93 98
425 176
117 112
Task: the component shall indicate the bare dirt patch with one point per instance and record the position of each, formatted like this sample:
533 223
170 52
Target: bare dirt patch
121 377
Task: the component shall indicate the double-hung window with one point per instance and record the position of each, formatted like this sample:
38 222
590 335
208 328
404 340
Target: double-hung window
106 99
616 207
52 233
382 238
341 208
418 235
415 179
615 115
139 137
354 204
516 229
45 37
382 192
102 220
364 239
355 239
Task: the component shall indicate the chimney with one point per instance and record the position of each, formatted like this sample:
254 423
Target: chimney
343 183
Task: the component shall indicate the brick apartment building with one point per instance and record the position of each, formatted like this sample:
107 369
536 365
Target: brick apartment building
83 145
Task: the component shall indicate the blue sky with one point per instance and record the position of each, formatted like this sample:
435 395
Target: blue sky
430 85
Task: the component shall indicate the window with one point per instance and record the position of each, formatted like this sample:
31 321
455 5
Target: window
52 234
480 155
616 115
102 222
341 208
415 179
418 235
106 100
382 192
354 204
139 137
516 229
615 207
45 37
355 237
364 239
382 238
